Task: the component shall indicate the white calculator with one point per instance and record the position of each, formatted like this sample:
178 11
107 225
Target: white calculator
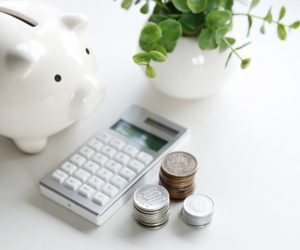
101 175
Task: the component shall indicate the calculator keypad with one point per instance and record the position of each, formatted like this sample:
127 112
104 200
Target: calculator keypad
101 168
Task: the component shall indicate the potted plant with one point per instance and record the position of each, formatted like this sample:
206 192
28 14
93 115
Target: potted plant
199 30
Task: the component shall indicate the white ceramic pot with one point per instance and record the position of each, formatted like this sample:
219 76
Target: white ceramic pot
190 73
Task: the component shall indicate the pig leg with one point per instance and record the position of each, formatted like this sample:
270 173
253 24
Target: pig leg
31 145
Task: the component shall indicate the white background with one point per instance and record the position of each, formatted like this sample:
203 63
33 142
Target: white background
246 139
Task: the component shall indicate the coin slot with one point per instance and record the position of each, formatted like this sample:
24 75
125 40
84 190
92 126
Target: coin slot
19 16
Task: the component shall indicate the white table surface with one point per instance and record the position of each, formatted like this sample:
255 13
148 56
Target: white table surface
246 139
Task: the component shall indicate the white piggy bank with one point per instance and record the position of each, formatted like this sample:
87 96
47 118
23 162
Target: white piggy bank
48 75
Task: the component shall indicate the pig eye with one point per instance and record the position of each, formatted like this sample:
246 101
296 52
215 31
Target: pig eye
87 51
57 78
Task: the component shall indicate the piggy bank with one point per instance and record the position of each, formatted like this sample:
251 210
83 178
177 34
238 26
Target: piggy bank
48 74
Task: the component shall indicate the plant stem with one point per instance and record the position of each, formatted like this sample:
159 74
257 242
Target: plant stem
257 17
232 49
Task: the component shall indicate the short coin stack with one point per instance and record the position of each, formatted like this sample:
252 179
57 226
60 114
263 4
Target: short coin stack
177 174
197 210
151 203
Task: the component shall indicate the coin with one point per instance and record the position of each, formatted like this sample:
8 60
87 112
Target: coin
197 210
151 206
179 164
177 174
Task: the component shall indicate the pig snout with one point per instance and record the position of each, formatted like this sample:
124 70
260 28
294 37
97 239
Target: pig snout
87 97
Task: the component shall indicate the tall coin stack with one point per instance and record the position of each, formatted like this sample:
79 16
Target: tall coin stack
177 174
151 203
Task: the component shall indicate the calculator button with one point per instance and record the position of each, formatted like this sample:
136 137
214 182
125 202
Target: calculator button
68 167
82 175
73 183
144 158
127 173
86 191
78 160
87 152
59 176
104 174
91 167
113 166
122 158
100 158
110 190
100 198
130 150
116 143
108 151
104 137
118 181
95 144
95 182
136 166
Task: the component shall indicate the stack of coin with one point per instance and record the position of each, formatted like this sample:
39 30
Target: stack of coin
197 210
151 203
177 174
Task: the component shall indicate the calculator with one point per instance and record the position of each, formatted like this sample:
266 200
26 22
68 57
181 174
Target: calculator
102 174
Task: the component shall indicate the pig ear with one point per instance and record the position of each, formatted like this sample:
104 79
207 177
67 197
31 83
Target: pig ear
74 21
20 59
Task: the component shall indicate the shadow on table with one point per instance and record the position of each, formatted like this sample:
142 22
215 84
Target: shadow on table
59 213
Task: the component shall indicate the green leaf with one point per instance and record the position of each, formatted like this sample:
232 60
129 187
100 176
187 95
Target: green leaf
221 32
191 23
181 5
250 22
157 56
149 35
245 63
282 13
228 59
197 6
207 39
151 32
171 32
253 4
155 18
281 32
160 48
218 18
262 29
171 29
295 25
142 58
212 5
126 4
150 72
145 8
225 43
228 4
269 17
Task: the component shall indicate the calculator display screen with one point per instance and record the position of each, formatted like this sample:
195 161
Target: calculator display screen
139 136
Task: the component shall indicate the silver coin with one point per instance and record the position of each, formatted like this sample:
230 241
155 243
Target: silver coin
197 210
198 205
153 226
151 197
